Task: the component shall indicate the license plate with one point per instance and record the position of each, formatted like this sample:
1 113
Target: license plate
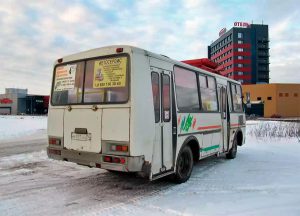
81 137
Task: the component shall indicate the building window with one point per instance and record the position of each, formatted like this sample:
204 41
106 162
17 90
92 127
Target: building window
240 57
240 65
286 94
258 98
240 41
240 35
240 73
280 95
269 98
240 49
295 94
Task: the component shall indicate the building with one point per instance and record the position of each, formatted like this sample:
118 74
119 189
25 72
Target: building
242 53
13 101
279 100
17 101
37 104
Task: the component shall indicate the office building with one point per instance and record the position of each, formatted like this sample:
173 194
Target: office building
242 53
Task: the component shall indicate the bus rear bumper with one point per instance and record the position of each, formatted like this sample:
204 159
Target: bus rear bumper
130 163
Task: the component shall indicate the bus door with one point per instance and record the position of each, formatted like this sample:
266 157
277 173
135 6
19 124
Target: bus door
225 117
162 152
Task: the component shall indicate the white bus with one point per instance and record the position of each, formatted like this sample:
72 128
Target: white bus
123 108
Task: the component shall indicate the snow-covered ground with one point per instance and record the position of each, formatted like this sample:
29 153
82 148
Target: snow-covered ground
264 179
12 127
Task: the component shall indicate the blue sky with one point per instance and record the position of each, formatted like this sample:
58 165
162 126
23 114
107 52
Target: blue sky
35 33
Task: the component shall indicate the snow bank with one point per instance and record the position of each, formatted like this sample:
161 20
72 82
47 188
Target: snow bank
12 127
273 129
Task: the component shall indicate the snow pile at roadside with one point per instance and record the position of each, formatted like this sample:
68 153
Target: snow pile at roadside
12 127
273 130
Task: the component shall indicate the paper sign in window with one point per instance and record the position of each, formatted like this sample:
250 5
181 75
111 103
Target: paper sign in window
65 77
110 73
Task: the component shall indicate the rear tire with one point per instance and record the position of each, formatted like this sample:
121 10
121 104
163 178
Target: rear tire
233 151
184 165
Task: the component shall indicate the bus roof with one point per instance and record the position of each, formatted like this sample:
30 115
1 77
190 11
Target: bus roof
127 48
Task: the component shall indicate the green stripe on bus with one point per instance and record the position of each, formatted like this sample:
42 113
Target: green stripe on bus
210 148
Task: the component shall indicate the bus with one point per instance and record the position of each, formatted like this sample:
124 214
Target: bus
122 108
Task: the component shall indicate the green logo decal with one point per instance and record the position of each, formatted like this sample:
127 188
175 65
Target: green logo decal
186 123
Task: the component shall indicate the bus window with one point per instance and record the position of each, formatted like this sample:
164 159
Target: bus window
166 98
236 98
208 93
155 93
106 80
186 90
67 85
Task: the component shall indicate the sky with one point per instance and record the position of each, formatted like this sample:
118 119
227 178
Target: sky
33 34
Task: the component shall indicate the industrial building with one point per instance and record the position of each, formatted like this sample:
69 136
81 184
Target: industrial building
17 101
278 100
242 53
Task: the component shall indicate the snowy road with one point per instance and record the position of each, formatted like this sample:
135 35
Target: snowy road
264 179
26 144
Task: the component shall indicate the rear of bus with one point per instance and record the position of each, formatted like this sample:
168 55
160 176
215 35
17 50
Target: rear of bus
89 112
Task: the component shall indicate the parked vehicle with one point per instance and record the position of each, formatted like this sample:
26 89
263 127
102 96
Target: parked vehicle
125 109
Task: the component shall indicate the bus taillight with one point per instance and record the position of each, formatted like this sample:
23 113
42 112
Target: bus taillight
54 141
119 50
121 148
122 160
109 159
116 160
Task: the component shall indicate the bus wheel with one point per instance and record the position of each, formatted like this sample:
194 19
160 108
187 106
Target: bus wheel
232 153
184 165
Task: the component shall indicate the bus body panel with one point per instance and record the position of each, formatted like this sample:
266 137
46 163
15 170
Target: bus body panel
206 124
142 130
162 159
82 129
55 122
115 124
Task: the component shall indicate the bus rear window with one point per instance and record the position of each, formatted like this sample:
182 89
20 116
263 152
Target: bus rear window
103 80
67 86
106 80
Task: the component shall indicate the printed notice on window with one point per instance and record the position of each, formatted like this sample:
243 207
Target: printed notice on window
65 77
110 73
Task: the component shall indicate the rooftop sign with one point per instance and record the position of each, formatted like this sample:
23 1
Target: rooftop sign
223 30
241 24
6 101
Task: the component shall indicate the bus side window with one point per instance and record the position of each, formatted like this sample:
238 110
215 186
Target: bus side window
208 93
166 98
155 93
236 98
186 90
